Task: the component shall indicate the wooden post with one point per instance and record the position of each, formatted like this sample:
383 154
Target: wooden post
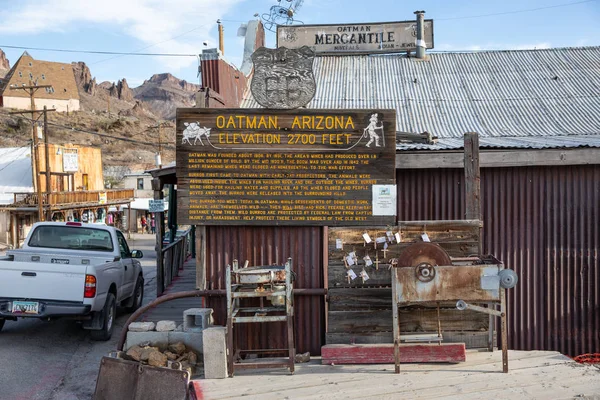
159 219
504 330
200 257
472 176
14 229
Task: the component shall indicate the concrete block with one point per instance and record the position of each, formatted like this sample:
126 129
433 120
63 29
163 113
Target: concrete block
165 326
141 326
158 339
192 340
197 319
215 352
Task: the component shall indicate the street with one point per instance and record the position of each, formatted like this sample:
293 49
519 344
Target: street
57 359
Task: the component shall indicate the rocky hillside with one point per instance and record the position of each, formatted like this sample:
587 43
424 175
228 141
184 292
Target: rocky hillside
164 93
4 64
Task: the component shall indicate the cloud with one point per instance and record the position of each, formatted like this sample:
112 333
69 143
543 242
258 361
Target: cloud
494 46
152 22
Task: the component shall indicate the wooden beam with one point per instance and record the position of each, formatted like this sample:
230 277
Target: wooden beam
472 177
200 257
384 353
159 219
498 158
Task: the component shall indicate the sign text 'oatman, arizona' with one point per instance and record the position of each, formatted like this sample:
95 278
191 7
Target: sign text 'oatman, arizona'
293 167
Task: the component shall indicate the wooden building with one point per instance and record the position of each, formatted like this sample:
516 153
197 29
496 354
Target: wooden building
62 96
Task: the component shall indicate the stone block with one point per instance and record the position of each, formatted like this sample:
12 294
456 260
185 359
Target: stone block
141 326
215 352
197 319
165 326
158 339
192 340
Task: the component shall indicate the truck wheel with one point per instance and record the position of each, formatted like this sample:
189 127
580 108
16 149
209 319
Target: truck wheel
109 313
138 295
2 320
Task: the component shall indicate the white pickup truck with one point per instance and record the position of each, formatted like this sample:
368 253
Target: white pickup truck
70 269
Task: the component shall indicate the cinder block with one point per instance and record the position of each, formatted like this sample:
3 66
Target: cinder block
197 319
215 352
158 339
192 340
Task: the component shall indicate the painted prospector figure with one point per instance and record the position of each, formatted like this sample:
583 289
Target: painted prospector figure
371 128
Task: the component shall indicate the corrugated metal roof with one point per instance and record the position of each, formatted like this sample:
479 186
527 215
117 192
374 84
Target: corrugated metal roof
15 172
519 98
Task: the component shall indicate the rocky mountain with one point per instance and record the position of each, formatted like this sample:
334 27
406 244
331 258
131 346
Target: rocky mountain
162 94
4 64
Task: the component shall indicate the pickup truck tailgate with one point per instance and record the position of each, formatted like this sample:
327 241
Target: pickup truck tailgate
43 281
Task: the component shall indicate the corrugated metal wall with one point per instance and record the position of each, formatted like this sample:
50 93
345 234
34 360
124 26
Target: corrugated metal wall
266 246
225 80
543 222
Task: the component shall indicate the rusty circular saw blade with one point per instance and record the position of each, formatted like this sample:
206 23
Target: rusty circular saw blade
419 253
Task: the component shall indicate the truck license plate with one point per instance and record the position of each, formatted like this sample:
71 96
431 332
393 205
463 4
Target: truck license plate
25 307
59 261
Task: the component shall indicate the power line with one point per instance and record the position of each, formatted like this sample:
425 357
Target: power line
516 11
100 52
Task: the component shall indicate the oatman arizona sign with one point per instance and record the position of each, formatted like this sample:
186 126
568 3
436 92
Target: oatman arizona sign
286 167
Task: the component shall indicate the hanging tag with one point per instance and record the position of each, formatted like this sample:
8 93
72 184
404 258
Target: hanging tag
339 244
425 237
381 239
367 237
364 275
390 236
368 261
350 260
351 274
397 235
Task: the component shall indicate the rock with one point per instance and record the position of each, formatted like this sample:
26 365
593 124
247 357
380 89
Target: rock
302 358
83 78
179 328
178 348
192 358
146 351
171 356
123 90
157 359
135 352
141 326
4 64
165 326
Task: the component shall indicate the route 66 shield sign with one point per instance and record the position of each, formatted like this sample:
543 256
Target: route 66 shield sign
283 78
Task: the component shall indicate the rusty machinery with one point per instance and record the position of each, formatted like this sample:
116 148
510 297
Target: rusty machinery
426 274
272 284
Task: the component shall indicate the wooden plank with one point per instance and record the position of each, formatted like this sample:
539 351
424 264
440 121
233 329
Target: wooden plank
282 167
472 340
200 257
472 176
411 320
359 299
498 158
384 353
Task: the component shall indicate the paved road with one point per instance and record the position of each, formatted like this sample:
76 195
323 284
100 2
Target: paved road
57 360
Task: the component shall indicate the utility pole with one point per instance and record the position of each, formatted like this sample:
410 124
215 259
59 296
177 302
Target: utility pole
158 155
31 89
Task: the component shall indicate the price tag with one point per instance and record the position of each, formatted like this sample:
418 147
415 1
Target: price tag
367 237
425 237
339 244
390 236
397 235
351 274
368 261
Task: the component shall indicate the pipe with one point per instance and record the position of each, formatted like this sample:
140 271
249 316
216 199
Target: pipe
462 305
420 34
195 293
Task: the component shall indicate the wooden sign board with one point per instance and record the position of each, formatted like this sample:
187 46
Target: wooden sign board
364 38
292 167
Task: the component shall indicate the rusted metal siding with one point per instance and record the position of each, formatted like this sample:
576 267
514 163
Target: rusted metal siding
267 246
226 80
543 222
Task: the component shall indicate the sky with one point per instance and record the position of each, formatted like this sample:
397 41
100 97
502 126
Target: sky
189 26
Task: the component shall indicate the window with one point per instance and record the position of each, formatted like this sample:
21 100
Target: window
71 237
125 253
49 90
30 64
84 181
30 75
20 74
43 77
140 183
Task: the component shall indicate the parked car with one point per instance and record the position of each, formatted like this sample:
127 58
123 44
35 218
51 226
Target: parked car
70 269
